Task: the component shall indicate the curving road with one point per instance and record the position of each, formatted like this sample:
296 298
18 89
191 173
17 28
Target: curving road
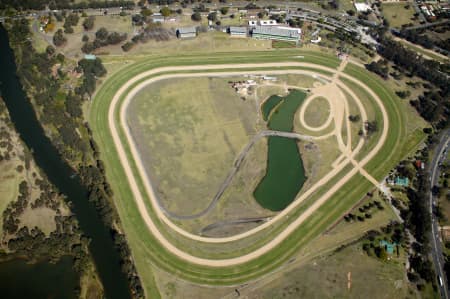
349 155
436 245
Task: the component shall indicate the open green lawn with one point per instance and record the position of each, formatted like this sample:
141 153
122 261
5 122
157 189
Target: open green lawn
147 252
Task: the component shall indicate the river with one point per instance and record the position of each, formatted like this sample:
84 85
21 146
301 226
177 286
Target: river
59 173
18 279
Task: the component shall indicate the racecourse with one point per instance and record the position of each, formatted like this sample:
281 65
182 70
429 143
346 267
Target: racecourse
145 222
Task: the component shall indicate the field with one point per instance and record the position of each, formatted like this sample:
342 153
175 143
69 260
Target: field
188 132
317 113
397 15
9 182
149 249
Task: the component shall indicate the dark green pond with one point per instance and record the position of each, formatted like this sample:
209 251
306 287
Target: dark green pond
269 104
282 119
285 174
40 280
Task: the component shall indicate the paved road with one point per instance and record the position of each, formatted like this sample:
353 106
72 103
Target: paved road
438 258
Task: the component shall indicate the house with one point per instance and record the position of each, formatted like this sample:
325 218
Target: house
362 7
157 17
276 33
420 164
186 32
238 31
316 40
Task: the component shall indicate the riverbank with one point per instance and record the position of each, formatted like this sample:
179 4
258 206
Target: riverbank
58 172
29 201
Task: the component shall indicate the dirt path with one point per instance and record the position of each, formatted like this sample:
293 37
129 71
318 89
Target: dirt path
147 184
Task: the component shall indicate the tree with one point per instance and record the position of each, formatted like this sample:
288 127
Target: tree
72 19
59 39
73 105
196 16
50 51
165 11
88 47
381 253
212 16
102 33
224 10
146 12
85 38
371 127
354 118
88 23
68 29
127 46
261 14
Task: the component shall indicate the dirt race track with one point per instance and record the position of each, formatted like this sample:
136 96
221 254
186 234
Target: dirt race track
339 111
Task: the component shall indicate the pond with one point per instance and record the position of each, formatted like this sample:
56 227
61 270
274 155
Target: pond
285 174
269 104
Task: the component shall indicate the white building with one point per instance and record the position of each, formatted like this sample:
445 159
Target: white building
362 7
187 32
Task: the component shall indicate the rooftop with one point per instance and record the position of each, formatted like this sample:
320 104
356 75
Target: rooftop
286 32
186 30
238 29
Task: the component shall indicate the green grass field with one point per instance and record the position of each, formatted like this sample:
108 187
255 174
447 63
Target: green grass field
147 252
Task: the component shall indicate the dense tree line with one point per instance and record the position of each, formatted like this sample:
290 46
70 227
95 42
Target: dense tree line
418 36
71 20
412 63
379 67
23 4
64 4
433 105
103 38
417 220
67 4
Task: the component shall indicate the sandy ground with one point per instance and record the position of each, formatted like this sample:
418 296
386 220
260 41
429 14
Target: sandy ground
338 114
